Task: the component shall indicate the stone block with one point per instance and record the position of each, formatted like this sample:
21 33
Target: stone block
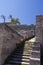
36 48
34 62
36 54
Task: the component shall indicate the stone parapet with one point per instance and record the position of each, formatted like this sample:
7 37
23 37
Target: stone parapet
8 41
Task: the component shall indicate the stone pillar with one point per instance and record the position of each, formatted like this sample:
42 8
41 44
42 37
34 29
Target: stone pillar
39 28
39 33
35 55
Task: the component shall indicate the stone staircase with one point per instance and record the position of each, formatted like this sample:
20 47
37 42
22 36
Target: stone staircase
21 56
35 55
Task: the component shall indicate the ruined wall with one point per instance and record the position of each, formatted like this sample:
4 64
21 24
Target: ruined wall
1 43
8 41
8 46
39 28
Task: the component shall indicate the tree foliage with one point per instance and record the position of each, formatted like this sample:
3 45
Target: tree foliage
14 20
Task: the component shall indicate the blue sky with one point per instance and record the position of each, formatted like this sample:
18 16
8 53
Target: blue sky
25 10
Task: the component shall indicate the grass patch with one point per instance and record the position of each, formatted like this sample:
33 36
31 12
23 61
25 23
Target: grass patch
11 24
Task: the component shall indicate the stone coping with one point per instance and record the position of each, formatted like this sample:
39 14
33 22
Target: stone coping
37 59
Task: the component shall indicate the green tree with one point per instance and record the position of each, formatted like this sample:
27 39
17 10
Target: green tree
14 20
17 21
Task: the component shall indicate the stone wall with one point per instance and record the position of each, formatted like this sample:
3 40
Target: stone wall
35 55
39 28
40 35
8 41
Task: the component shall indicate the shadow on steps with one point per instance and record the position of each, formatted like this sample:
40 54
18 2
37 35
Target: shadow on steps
20 47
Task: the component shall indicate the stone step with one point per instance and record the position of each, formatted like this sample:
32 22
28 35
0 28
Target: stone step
22 57
30 44
34 61
19 62
24 51
27 52
36 54
23 48
37 44
35 51
22 54
27 47
36 48
9 64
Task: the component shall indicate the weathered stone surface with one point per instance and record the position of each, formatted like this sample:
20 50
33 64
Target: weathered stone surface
35 56
39 28
8 41
34 62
